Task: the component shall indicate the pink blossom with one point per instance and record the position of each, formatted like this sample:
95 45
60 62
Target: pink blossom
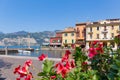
72 63
42 57
52 77
92 52
28 62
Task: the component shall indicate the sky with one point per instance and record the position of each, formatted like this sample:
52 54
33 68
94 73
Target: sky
50 15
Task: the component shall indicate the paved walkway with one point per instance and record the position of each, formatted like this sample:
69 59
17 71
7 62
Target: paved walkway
8 63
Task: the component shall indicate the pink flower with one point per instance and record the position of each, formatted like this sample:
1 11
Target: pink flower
28 62
72 63
68 65
17 78
94 42
29 76
60 68
64 72
67 52
66 56
23 71
92 52
17 69
84 63
52 77
42 57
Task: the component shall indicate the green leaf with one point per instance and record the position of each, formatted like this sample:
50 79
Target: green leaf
95 77
118 62
41 74
47 65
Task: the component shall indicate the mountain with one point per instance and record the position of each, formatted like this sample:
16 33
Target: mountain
20 33
1 32
40 37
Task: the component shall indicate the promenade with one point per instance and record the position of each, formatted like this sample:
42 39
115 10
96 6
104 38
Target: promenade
8 63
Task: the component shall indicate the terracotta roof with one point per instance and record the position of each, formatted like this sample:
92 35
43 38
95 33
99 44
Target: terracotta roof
69 29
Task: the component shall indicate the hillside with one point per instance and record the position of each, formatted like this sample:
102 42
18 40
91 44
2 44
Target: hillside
40 37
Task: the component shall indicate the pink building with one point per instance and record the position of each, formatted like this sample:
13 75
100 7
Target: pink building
57 40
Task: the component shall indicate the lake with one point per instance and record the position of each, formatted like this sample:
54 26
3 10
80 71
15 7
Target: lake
51 54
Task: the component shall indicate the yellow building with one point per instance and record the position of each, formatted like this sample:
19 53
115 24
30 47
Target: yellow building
104 31
68 37
80 34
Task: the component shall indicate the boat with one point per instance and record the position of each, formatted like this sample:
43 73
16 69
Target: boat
23 51
37 49
26 51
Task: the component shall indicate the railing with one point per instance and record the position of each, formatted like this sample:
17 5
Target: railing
90 32
104 31
118 31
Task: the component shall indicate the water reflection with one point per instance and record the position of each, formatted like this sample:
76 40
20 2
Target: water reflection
51 54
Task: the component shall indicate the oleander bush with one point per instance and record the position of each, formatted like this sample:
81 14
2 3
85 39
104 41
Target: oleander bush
99 63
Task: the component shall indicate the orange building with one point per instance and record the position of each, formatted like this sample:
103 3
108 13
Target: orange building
80 34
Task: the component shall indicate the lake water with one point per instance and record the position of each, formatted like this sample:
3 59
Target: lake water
51 54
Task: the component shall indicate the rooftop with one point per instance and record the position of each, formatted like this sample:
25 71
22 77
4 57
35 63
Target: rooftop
69 29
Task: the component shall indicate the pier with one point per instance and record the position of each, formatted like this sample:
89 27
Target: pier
14 50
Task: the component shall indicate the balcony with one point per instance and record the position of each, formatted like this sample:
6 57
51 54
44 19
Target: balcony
112 38
105 38
90 32
104 31
118 31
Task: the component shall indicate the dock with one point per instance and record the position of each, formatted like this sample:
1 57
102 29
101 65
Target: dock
14 50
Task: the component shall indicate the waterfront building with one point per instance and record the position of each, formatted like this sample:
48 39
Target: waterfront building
104 31
57 40
69 37
80 34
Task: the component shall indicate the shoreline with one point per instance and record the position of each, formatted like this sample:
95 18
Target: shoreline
27 57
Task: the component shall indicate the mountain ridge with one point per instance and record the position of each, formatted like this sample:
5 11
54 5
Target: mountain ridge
40 37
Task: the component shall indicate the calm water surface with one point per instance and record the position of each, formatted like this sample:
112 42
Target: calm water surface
51 54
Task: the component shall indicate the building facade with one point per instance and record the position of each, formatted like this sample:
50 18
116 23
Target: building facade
80 34
69 37
57 40
103 31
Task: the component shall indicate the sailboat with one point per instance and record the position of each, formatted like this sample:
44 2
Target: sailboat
26 51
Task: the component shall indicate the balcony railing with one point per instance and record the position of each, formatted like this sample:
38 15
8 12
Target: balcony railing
118 31
105 38
104 31
90 32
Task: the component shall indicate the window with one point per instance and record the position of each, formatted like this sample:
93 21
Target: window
105 44
72 34
65 34
58 41
78 34
90 36
105 36
90 29
98 28
83 34
54 41
112 44
72 41
112 27
65 41
77 29
112 35
105 28
97 36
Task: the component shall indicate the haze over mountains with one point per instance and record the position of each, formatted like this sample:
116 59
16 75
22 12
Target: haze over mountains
36 37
